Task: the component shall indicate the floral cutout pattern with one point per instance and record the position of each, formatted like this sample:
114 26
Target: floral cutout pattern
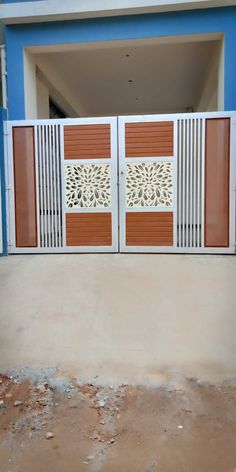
149 184
88 185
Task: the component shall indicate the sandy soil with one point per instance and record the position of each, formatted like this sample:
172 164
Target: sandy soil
122 429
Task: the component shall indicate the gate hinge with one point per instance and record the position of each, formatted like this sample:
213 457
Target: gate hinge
7 188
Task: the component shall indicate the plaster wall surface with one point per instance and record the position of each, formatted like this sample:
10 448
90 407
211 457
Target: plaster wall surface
42 100
134 318
208 100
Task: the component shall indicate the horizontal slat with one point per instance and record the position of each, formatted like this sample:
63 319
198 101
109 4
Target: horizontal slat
88 127
150 154
91 229
87 141
149 229
87 145
151 139
151 146
151 215
149 124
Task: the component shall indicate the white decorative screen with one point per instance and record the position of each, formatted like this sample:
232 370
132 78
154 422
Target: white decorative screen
149 184
88 185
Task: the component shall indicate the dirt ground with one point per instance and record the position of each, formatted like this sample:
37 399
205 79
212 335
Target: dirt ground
123 429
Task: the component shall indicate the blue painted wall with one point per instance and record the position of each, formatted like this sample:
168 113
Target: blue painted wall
217 20
3 117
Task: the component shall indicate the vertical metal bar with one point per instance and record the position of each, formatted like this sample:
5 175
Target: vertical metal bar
203 183
40 183
187 182
51 186
62 186
184 180
54 179
191 124
198 181
58 187
194 181
61 181
37 189
180 175
48 187
175 185
44 208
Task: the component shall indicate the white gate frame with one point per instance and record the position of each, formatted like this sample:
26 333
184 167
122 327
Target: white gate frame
118 208
122 182
12 249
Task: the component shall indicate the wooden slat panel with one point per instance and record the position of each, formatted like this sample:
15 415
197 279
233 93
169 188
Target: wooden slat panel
89 229
217 182
25 186
87 141
149 229
149 139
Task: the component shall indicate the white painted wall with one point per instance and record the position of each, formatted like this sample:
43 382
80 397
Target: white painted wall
42 100
211 97
30 86
58 86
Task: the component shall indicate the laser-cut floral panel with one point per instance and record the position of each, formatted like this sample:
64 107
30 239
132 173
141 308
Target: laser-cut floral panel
149 184
88 185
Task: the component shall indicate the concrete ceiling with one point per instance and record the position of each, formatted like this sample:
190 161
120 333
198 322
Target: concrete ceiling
155 78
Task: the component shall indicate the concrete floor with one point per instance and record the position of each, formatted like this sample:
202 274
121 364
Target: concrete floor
134 318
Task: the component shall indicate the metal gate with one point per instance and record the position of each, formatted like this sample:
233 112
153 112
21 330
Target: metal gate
62 185
171 180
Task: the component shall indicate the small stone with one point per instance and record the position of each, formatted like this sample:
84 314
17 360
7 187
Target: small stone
41 388
180 427
102 403
18 403
69 397
112 440
0 381
102 422
8 395
2 405
49 435
88 459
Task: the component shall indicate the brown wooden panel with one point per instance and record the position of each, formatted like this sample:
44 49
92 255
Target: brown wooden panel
217 182
149 139
25 186
87 141
149 229
89 229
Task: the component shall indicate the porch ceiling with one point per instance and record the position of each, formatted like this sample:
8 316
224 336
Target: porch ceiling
131 79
